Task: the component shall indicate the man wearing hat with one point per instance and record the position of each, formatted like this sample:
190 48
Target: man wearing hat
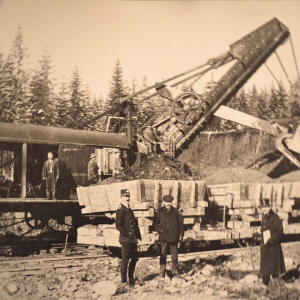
50 174
128 226
118 161
93 169
168 223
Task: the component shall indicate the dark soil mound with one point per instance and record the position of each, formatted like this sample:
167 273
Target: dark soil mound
239 174
154 167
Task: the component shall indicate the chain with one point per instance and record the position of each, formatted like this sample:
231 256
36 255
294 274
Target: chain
272 74
197 79
294 55
283 68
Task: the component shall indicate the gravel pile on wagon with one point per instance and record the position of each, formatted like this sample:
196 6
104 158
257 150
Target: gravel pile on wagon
158 167
240 174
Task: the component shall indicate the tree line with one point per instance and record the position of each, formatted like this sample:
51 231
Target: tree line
32 96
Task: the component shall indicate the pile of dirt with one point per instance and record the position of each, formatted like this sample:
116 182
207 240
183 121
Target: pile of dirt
240 174
292 176
158 167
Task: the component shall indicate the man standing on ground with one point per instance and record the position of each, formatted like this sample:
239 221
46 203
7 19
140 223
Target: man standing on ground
168 223
50 173
127 224
93 169
271 260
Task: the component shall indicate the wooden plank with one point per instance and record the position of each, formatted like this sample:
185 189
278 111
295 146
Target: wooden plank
23 171
175 193
200 190
237 204
199 211
242 211
188 220
91 240
193 194
237 189
201 204
89 230
112 242
251 218
238 224
295 192
110 232
156 195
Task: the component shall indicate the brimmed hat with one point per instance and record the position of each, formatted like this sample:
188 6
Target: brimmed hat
93 155
168 198
118 151
125 193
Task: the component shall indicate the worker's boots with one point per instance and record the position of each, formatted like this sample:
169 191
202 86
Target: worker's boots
48 195
54 195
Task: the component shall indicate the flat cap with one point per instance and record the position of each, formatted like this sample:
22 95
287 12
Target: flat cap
125 193
93 155
168 198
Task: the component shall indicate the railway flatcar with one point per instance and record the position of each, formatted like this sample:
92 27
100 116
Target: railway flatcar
23 151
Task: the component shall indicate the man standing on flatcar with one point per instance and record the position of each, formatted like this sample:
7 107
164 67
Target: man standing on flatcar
50 174
93 170
168 223
128 226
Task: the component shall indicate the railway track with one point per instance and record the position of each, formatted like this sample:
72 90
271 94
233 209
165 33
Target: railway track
75 262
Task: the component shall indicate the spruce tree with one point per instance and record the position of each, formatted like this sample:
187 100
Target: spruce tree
40 100
117 89
62 106
76 115
14 82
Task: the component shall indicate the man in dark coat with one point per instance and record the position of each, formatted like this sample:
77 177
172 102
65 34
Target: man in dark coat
272 261
93 169
50 174
128 226
168 223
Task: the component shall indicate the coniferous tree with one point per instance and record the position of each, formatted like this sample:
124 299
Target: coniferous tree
76 115
278 103
14 82
117 89
40 101
294 99
62 105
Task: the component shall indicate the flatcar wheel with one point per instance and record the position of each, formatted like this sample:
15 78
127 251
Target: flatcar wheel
33 221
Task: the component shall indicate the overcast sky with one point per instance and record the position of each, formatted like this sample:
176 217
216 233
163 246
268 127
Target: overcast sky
156 39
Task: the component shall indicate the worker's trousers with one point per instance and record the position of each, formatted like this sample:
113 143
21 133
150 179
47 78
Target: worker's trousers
129 253
50 186
163 258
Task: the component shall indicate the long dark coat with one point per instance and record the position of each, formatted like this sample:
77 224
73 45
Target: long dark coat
272 261
169 225
126 223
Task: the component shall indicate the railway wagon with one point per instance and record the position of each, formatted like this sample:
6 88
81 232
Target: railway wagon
225 213
23 151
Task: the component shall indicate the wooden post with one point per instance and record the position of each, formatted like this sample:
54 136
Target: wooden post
128 117
23 171
156 195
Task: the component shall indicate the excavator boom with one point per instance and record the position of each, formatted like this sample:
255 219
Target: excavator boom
250 53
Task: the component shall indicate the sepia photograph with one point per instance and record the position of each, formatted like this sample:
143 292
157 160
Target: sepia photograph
149 149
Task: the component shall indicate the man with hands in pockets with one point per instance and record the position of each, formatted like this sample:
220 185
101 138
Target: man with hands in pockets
168 223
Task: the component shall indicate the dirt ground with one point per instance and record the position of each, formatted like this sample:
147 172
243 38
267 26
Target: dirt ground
223 277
